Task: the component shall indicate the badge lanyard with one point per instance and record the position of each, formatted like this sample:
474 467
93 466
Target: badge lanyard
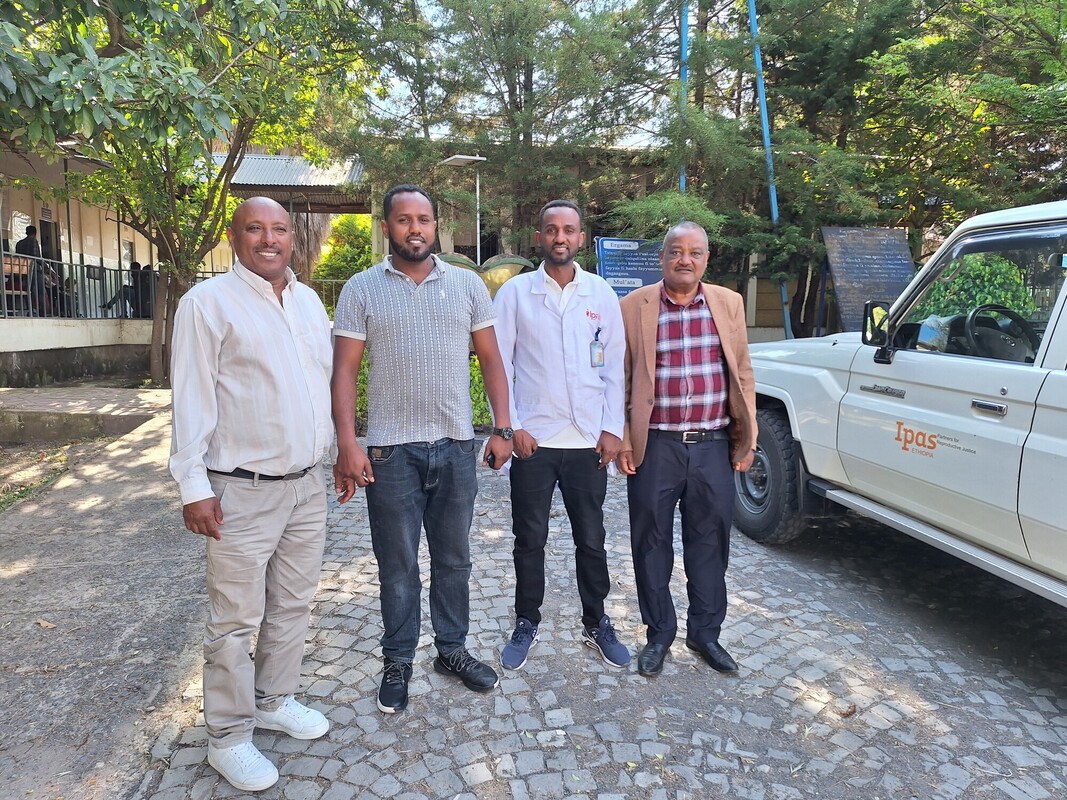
596 350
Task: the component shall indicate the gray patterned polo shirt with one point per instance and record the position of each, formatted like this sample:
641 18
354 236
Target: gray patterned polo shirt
418 339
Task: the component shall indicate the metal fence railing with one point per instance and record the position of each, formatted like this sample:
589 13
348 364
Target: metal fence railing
39 287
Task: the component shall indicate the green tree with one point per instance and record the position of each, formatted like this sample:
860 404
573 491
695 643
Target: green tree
169 96
350 249
980 279
539 88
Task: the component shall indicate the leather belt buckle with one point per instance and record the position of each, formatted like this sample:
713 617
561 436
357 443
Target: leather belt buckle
691 437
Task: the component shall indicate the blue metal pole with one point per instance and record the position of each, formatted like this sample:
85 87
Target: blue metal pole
753 24
685 90
761 92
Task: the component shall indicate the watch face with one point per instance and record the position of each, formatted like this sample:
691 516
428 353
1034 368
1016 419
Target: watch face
504 433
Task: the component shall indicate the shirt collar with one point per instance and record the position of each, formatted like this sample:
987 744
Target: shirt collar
262 285
546 280
438 266
665 298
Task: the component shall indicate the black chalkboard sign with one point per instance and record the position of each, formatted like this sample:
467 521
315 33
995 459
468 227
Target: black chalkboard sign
866 264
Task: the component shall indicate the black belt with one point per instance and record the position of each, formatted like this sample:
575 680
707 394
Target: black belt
258 476
693 437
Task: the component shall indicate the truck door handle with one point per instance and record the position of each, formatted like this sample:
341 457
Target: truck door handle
1000 409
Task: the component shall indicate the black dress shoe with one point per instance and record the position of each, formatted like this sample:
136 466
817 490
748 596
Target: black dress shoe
714 654
650 659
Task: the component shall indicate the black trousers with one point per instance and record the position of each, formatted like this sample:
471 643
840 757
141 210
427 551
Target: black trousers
699 478
583 486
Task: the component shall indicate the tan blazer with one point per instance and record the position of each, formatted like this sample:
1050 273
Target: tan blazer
640 315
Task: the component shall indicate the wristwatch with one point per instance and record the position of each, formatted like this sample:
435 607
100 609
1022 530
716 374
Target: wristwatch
507 434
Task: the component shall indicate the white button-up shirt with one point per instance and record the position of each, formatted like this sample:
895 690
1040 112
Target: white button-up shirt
250 379
546 354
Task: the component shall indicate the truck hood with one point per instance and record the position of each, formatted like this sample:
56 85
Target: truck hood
832 352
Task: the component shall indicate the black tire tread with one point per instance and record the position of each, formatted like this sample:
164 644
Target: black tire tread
787 523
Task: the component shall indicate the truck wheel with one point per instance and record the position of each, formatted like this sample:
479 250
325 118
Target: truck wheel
766 508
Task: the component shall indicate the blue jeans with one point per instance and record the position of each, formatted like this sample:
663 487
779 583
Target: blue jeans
419 485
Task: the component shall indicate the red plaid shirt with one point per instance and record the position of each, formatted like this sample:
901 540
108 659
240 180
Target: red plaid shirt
690 373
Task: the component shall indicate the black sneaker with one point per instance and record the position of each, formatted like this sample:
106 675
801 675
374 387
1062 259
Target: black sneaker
393 693
475 675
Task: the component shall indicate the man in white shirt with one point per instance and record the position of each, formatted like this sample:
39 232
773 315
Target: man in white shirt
561 338
251 398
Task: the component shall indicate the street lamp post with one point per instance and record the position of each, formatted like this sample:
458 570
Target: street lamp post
466 161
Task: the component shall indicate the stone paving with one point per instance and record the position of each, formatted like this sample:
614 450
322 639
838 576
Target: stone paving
872 666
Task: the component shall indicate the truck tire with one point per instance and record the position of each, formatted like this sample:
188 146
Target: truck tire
766 508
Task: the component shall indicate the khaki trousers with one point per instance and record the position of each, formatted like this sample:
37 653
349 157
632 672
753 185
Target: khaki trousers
261 577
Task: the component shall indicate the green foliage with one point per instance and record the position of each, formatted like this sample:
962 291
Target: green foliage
479 401
361 395
349 248
981 279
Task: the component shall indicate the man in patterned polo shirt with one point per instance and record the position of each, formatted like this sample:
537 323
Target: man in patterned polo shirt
414 315
690 422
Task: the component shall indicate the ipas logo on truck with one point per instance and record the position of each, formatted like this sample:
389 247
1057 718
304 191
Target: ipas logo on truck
921 442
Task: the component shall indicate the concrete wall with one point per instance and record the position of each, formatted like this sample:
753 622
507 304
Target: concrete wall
37 352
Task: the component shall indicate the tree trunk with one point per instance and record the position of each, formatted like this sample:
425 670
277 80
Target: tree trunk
159 306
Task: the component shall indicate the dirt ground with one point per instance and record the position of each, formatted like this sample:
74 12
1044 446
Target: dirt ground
26 468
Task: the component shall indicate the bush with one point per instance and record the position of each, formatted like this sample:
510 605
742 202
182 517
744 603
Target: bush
983 278
349 248
483 418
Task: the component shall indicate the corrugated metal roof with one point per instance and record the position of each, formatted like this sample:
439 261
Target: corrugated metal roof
301 186
261 170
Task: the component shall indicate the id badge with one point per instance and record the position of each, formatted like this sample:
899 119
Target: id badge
596 353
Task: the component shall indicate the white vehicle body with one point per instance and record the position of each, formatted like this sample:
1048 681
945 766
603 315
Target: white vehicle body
954 432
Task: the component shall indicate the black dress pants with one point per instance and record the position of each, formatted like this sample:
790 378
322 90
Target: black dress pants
583 486
699 478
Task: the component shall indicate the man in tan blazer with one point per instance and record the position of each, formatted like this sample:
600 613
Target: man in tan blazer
690 423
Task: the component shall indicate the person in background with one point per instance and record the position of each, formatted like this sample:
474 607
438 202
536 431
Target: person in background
126 295
29 246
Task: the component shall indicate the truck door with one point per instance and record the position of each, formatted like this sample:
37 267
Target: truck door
939 432
1043 480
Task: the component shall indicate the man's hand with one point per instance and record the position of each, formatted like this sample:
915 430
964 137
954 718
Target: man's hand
204 517
608 446
343 485
742 464
525 444
499 448
352 466
625 462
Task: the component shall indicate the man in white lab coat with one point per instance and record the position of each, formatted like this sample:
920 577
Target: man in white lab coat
561 338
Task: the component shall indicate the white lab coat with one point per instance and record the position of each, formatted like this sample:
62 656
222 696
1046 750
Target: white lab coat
546 355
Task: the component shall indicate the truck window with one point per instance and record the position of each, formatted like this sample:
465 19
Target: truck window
991 299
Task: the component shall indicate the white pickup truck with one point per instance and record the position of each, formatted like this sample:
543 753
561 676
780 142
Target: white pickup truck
946 418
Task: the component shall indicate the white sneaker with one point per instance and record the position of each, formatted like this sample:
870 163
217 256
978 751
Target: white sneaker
293 718
243 766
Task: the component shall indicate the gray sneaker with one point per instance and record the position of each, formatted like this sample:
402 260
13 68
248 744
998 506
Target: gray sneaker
602 639
514 654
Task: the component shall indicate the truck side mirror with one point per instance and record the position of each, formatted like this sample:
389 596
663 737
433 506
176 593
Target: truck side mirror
876 323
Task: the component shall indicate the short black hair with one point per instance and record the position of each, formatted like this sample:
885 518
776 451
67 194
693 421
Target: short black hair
405 188
31 230
557 204
134 266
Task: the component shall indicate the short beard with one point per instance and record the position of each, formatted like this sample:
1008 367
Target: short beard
407 254
550 258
